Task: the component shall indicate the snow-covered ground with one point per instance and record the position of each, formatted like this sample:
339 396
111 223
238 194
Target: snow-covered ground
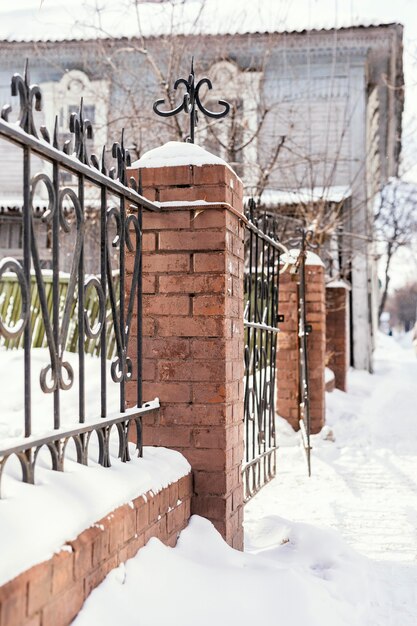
12 394
80 496
346 558
364 483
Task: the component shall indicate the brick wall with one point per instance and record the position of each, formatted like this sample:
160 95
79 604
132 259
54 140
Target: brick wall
193 327
337 333
288 347
53 592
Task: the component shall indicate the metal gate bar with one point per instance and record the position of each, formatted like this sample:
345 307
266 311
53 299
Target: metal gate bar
262 258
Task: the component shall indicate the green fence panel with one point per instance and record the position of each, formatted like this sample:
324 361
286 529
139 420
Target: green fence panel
11 304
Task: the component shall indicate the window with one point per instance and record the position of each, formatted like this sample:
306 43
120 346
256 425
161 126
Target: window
63 97
234 138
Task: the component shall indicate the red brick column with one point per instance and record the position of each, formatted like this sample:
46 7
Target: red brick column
287 376
287 350
337 332
193 326
316 343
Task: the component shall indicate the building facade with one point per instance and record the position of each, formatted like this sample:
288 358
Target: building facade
315 124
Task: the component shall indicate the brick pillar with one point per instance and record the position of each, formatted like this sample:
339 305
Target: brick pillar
287 377
287 350
193 266
337 331
316 342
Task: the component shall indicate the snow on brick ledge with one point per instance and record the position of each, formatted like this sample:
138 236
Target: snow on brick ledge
176 153
63 504
99 534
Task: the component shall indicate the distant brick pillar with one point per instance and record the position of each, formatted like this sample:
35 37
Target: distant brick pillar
287 377
337 332
316 342
193 265
287 350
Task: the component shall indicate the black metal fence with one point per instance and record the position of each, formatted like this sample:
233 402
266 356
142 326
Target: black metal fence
120 215
261 319
270 235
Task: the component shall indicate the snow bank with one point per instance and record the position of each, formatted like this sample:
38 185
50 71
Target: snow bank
63 504
363 483
296 574
12 394
328 375
405 340
37 520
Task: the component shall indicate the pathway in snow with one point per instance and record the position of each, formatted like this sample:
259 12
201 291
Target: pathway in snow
364 484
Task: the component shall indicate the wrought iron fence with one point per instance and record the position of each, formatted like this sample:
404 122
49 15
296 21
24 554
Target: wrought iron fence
261 319
269 235
121 206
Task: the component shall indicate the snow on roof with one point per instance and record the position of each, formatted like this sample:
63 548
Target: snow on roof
178 153
56 20
274 197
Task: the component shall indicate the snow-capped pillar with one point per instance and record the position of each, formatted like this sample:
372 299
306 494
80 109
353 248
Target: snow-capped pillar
337 331
193 264
287 376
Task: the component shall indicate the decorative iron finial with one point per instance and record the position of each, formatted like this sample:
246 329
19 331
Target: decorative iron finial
29 96
83 130
191 100
124 161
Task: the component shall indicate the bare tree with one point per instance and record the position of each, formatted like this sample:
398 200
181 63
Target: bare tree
271 143
395 224
402 306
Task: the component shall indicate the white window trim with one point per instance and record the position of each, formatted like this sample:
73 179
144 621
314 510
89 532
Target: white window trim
229 83
68 92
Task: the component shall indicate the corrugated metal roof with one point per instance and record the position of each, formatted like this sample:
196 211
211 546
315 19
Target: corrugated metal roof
247 33
55 21
276 197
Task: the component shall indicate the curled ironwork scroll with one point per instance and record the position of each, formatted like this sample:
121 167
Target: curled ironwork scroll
83 130
191 102
30 98
11 265
66 316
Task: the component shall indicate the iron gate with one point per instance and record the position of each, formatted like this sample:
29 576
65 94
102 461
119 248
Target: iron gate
261 318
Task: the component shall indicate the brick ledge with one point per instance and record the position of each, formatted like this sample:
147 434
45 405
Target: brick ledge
53 592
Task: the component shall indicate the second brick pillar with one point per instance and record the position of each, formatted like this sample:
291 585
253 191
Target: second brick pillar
193 326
